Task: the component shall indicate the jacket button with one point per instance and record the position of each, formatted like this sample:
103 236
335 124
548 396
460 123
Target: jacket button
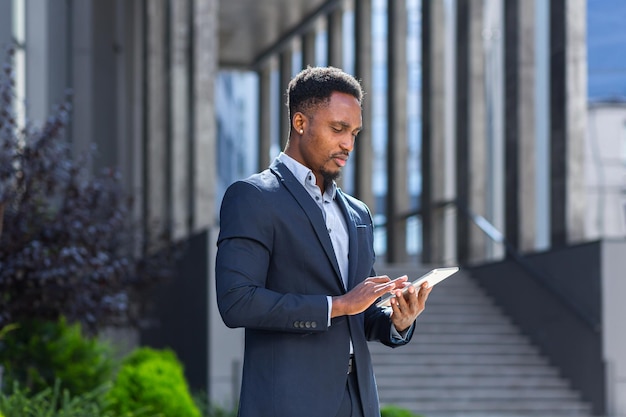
314 324
307 324
296 324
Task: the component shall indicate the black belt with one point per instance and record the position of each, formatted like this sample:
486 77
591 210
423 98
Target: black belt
351 365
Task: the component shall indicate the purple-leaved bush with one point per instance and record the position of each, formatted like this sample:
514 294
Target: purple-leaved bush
65 239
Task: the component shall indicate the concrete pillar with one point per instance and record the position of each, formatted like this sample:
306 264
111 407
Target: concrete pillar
363 153
334 28
157 129
204 172
308 48
477 130
434 150
265 114
577 118
136 114
613 336
284 76
82 79
520 128
397 138
179 158
6 25
568 72
107 52
46 57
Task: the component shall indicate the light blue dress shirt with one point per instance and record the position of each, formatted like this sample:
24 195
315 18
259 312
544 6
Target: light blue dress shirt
335 223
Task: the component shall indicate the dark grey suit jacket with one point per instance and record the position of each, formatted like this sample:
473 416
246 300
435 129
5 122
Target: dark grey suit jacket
275 266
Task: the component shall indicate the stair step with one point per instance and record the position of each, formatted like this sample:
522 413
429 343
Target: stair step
523 407
480 394
460 339
434 370
399 381
474 349
468 359
461 359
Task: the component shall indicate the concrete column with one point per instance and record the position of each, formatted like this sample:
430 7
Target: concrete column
107 52
568 73
520 141
308 48
433 131
205 53
265 114
477 132
471 132
334 29
363 153
156 129
613 336
82 130
137 112
6 25
397 138
180 42
284 76
576 106
44 74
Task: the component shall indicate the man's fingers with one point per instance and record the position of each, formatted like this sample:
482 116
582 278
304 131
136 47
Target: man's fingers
379 279
387 286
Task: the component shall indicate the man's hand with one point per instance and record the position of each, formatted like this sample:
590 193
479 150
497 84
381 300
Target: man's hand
363 295
406 307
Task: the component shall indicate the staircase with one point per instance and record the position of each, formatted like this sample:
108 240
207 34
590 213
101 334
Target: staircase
467 359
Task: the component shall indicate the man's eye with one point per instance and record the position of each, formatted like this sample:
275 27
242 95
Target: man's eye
337 129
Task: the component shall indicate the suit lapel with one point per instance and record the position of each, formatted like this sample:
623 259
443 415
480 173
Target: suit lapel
351 224
311 209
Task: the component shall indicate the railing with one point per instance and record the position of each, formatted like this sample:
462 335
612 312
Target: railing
541 277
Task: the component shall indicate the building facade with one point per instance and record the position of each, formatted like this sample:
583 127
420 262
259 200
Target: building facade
475 122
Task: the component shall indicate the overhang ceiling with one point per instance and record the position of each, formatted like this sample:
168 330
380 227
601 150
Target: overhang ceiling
248 28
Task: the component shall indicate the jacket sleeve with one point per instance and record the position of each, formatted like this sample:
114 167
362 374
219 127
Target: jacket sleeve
245 246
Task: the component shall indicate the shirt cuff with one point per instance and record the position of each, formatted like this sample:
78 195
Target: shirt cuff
330 307
401 337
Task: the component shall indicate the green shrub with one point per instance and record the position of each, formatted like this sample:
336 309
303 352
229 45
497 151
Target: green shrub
152 379
38 353
395 411
52 402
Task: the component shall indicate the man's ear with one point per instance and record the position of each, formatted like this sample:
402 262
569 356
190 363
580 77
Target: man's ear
299 122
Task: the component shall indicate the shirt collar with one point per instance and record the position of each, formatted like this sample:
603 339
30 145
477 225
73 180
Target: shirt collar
304 175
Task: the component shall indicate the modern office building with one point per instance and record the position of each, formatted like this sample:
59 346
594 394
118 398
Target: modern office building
474 151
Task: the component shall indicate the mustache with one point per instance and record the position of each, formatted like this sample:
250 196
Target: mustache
345 155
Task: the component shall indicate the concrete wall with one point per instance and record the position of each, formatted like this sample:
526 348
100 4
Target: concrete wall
613 313
556 299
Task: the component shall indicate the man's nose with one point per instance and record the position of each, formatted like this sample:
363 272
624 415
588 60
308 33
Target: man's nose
347 143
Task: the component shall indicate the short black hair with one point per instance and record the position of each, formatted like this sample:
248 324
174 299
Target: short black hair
314 85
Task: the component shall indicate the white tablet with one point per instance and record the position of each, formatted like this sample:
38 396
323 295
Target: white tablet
433 277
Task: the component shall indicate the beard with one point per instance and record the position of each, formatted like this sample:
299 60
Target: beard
329 177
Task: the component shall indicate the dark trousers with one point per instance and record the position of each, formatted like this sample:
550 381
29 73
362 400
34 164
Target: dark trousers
351 403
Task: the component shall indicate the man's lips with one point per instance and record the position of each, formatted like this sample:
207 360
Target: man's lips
340 159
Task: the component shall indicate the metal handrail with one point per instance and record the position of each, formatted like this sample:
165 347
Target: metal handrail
541 277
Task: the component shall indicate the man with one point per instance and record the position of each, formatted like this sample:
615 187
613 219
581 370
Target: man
294 267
